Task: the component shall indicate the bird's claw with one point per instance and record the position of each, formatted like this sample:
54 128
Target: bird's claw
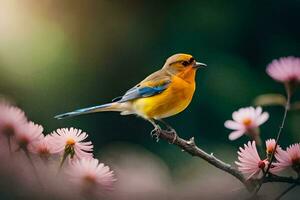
155 133
172 131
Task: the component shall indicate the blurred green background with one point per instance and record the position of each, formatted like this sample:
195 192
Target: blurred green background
57 56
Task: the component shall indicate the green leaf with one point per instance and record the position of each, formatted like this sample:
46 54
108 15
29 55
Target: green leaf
270 100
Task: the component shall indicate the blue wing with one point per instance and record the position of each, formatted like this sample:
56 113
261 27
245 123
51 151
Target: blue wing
144 90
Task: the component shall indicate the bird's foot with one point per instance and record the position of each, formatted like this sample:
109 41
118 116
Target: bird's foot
155 133
172 132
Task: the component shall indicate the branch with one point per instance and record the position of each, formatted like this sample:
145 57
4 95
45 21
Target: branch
281 179
190 147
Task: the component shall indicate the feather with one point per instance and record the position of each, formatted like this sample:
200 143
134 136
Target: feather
152 85
83 111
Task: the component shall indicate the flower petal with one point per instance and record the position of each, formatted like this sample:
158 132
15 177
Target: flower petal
233 125
262 118
236 134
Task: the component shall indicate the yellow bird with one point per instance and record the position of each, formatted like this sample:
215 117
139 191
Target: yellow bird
162 94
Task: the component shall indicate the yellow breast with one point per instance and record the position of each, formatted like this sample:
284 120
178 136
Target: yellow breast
170 102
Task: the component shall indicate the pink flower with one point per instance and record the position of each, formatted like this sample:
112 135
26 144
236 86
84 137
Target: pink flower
288 158
286 69
246 120
250 163
27 134
10 119
43 147
88 171
71 140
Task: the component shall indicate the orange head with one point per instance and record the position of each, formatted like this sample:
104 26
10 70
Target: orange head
183 66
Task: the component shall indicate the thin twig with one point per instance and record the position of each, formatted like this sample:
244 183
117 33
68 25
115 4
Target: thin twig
286 191
287 106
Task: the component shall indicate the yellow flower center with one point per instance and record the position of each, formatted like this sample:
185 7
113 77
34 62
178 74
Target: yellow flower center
270 150
247 122
70 141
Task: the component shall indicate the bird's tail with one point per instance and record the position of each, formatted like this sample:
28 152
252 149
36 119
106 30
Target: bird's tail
115 106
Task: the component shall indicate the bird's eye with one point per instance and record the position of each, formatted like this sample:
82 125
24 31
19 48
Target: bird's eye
185 63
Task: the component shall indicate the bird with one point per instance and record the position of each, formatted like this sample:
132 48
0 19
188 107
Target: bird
162 94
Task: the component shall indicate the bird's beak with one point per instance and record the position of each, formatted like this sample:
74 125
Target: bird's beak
198 65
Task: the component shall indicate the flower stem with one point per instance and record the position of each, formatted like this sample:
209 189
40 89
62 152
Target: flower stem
33 167
9 144
64 157
261 150
287 107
